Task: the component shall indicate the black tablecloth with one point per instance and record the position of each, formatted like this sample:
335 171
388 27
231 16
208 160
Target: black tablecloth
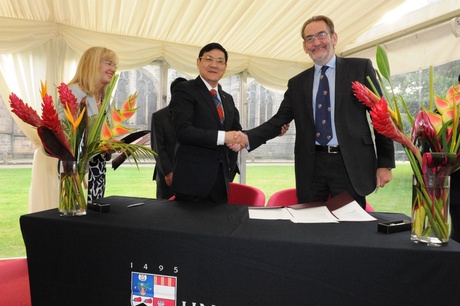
217 256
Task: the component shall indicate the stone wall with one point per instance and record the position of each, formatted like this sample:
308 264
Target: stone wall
13 144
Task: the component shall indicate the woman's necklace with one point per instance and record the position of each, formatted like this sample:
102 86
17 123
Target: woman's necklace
98 100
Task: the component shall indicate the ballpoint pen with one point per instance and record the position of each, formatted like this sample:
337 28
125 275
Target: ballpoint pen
135 204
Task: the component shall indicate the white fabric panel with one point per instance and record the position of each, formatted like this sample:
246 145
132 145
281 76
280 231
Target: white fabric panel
132 52
266 31
43 40
431 47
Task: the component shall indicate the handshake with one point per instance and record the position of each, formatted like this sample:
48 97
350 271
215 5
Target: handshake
236 140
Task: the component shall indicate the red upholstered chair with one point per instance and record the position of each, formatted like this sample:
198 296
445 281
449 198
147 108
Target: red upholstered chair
289 197
14 282
242 194
369 208
283 198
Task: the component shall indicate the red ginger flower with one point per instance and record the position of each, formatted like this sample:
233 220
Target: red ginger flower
51 119
67 98
24 111
48 127
381 119
364 94
369 98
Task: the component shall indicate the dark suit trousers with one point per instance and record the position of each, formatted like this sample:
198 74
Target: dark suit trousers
218 193
331 178
163 190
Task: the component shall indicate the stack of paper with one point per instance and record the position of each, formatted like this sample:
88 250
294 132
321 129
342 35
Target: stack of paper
339 208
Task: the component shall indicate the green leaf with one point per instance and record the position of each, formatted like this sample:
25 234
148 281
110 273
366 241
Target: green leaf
382 62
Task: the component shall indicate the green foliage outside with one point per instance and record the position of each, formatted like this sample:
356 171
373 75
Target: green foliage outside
414 87
129 181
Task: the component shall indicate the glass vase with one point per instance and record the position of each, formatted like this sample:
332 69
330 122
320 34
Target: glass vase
73 193
430 211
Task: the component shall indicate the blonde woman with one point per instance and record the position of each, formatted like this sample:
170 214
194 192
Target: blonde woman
95 70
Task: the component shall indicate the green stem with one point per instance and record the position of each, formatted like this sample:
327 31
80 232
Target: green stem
436 216
73 197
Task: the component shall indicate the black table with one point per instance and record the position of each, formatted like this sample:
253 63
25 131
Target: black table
202 254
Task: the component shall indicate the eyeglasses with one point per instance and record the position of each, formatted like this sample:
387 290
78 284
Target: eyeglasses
321 35
111 64
209 59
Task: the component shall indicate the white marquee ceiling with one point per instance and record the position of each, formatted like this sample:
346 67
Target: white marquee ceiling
262 36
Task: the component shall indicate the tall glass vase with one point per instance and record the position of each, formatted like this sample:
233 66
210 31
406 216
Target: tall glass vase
430 210
73 188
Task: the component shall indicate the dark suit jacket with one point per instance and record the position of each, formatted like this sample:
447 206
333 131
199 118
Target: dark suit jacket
196 124
353 131
163 142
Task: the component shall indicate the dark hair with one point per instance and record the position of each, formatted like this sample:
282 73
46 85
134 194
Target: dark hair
175 82
213 46
327 20
459 78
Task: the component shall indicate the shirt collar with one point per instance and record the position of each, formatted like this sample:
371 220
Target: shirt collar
207 84
331 64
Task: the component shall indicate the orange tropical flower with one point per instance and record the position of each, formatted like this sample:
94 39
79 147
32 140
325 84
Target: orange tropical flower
106 132
113 128
435 119
74 121
44 89
120 131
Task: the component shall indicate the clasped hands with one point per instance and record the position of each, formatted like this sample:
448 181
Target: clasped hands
236 140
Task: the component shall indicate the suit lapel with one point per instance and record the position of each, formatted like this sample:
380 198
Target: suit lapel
340 74
307 93
208 98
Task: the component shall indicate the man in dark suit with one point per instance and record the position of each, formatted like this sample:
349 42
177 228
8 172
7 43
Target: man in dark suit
350 160
203 125
163 142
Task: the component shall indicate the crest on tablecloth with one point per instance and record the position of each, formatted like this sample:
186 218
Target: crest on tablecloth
153 289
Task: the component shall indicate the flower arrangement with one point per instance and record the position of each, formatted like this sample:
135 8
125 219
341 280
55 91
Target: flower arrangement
432 147
77 138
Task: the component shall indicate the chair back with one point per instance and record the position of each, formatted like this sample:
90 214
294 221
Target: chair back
242 194
369 208
283 198
14 282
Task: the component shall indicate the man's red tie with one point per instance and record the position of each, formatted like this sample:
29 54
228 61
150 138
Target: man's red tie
220 110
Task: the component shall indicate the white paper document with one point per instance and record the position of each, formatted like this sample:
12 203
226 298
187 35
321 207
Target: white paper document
269 213
338 209
318 214
352 212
